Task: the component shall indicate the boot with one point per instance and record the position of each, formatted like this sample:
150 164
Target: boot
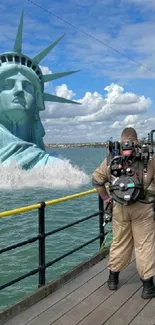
148 291
113 280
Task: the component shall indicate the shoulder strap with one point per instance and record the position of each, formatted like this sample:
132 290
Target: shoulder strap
109 157
141 175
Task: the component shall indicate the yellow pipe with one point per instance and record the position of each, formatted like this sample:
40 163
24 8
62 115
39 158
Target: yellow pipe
37 206
70 197
52 202
19 210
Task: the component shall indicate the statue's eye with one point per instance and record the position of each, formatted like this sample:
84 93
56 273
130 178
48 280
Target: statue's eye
8 84
28 87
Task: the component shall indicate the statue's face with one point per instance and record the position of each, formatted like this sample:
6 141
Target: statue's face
17 97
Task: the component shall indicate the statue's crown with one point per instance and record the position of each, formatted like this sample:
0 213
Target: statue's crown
17 57
20 59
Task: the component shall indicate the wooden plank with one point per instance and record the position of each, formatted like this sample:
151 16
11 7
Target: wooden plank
101 314
147 315
128 311
96 298
58 295
56 311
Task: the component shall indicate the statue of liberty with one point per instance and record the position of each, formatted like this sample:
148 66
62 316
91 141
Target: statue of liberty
22 97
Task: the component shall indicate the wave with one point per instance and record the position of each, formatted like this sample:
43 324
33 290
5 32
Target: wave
57 176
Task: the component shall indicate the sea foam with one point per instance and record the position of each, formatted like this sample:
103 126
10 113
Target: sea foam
61 174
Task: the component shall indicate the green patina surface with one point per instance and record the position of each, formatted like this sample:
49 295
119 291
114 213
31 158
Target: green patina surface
22 97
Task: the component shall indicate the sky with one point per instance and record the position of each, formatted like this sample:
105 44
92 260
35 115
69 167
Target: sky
113 91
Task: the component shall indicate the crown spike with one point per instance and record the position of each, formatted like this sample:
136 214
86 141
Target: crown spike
43 53
18 41
53 98
53 76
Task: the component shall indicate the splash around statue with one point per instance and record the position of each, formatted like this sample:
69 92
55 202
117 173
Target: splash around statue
22 97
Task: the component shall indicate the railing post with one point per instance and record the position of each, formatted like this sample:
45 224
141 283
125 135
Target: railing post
42 244
101 219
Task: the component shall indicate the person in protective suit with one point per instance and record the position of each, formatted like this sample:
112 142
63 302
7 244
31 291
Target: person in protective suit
132 226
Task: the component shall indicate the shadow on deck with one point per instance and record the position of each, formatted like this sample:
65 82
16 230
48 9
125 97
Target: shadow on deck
86 300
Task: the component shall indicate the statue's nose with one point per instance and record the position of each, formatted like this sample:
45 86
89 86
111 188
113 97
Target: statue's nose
18 87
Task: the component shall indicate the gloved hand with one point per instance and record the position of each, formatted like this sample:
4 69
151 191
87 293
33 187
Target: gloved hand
106 199
107 210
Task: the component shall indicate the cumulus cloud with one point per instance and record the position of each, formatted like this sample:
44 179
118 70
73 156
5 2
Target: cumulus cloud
63 91
116 125
45 70
98 116
97 107
131 119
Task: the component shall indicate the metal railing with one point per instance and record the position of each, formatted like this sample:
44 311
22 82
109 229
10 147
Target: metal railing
42 235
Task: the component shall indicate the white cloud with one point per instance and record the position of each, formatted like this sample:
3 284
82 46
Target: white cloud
98 115
115 125
63 91
45 70
131 118
97 107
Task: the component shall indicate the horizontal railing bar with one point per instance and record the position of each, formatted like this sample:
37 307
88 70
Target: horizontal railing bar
71 252
70 197
19 210
42 235
70 224
52 202
8 284
47 264
28 241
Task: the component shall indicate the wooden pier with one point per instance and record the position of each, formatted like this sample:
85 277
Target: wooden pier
86 300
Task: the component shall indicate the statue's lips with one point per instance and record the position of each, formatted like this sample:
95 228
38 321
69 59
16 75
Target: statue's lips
18 100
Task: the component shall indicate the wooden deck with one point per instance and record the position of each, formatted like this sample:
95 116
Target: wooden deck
86 300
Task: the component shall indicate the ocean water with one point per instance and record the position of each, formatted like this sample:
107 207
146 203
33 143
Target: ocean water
19 188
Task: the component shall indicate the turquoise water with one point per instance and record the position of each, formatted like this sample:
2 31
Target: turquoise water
21 227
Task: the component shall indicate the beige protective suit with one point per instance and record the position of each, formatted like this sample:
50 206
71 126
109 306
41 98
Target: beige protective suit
132 226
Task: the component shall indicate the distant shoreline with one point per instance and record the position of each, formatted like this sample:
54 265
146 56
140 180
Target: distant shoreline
80 145
76 145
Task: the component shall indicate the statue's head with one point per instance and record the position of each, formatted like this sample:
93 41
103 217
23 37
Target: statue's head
22 84
20 94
